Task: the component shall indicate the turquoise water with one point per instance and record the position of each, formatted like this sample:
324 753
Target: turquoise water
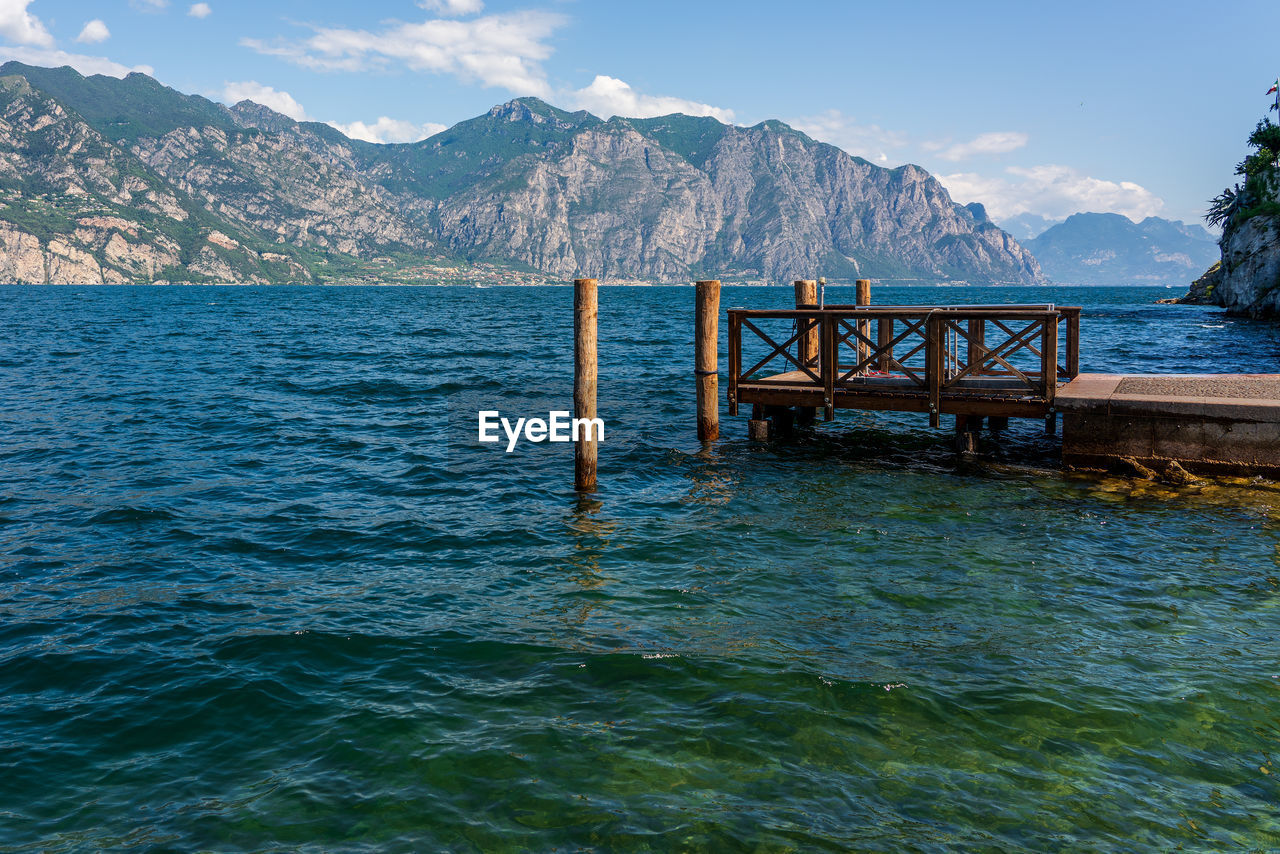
263 590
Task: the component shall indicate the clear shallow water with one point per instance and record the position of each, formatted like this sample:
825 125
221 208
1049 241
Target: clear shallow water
263 590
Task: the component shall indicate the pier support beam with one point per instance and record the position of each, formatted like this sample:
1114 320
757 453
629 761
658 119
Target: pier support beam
782 420
807 295
863 297
585 311
706 358
807 346
967 428
758 426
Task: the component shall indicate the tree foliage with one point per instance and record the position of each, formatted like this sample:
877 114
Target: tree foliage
1259 193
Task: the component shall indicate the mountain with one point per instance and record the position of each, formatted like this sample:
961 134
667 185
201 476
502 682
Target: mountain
106 179
1111 249
1028 226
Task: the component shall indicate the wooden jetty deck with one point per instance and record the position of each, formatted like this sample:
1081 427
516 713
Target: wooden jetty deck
979 362
970 361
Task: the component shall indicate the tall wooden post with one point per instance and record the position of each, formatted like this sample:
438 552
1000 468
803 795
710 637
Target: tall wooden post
884 343
935 353
1073 341
807 295
585 310
1049 370
806 292
863 297
807 346
706 358
977 346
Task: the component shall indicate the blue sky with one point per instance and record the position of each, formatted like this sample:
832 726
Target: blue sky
1137 108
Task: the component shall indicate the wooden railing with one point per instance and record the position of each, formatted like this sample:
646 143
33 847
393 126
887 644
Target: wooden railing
916 351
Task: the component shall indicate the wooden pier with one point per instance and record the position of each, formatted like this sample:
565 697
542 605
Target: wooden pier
969 361
995 362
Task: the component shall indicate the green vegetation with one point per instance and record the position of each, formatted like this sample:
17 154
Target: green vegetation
127 109
457 158
1259 193
42 218
692 137
183 275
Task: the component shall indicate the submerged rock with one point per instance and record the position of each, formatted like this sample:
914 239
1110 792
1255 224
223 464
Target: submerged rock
1202 289
1176 475
1130 467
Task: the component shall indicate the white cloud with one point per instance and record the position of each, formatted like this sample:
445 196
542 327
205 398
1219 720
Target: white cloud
95 31
998 142
870 142
149 5
504 50
200 10
19 25
81 63
453 7
387 129
609 96
1051 191
252 90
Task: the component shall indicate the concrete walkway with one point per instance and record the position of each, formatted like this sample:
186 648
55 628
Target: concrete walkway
1227 423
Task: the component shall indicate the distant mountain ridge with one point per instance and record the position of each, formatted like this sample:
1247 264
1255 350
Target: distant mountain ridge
1027 226
106 179
1111 249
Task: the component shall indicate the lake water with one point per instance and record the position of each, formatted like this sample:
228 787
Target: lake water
263 590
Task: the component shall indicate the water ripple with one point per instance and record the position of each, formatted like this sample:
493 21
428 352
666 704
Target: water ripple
264 591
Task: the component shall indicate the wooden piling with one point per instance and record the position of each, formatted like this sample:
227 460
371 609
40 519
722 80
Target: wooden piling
884 343
585 374
807 346
977 337
863 297
706 358
1073 341
967 427
758 426
935 355
806 292
1049 372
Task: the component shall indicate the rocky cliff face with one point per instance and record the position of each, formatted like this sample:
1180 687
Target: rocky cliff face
670 199
125 180
79 209
1248 282
609 203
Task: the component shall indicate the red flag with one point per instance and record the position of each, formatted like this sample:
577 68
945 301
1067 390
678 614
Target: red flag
1273 88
